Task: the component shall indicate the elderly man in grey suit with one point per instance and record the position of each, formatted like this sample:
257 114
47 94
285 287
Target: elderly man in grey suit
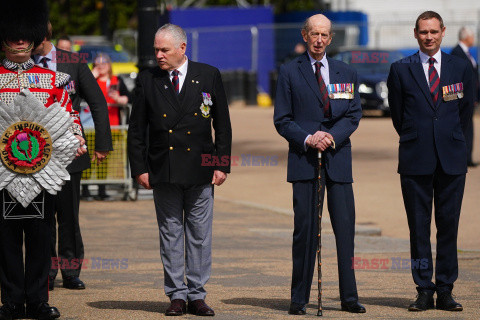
179 101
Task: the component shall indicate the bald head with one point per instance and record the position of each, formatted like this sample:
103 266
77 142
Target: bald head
317 33
318 19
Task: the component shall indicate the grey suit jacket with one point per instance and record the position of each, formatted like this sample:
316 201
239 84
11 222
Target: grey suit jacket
83 85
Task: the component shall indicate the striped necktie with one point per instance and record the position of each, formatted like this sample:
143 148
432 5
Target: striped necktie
434 80
323 90
175 81
44 61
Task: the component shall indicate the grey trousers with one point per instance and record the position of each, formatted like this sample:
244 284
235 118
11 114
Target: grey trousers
184 215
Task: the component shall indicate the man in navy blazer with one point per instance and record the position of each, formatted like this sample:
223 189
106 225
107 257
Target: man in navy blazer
431 101
466 39
313 122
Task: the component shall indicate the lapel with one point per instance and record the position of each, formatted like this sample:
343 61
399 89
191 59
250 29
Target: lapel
335 76
418 74
164 85
445 74
191 91
307 72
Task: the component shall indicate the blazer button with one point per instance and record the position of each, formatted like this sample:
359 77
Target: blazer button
188 132
170 131
195 114
164 115
188 149
171 148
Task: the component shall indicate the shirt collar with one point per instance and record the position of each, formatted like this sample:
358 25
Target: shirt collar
10 65
324 60
49 55
182 70
463 46
437 56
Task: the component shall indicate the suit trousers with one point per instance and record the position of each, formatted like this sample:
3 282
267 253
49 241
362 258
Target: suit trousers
25 282
70 243
446 192
341 208
184 216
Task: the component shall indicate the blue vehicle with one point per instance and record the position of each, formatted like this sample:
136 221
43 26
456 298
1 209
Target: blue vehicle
372 67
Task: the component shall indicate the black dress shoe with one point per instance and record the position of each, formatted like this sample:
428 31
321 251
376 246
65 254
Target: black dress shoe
178 307
51 283
42 311
73 283
12 311
446 302
297 309
353 307
424 301
200 308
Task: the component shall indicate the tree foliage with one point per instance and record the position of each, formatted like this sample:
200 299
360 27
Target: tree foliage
75 17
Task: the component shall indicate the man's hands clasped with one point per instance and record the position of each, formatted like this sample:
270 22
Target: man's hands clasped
321 140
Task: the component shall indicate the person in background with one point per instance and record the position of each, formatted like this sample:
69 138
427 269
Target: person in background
466 40
64 43
81 86
116 95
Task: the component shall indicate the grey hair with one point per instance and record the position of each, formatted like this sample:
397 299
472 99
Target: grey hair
175 31
464 33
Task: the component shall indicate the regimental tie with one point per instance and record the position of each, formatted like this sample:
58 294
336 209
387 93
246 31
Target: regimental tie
175 81
323 90
44 62
434 80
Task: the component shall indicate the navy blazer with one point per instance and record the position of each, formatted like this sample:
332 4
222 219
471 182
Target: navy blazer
299 112
179 133
430 133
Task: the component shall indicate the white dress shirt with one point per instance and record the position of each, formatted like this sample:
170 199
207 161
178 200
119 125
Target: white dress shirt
182 73
324 70
425 64
52 63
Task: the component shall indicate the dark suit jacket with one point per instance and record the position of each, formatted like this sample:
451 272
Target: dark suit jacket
458 51
430 133
178 132
84 86
299 112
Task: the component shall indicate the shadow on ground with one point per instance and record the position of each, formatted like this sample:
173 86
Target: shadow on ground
274 304
392 302
149 306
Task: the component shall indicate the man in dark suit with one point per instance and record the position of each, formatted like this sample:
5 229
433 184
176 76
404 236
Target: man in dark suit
313 122
82 85
466 39
178 102
431 101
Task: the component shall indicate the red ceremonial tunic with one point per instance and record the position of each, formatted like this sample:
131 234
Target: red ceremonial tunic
45 84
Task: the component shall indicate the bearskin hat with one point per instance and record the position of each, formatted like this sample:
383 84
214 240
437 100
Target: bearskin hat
24 20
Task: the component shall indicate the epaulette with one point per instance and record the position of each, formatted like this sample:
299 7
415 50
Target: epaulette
61 79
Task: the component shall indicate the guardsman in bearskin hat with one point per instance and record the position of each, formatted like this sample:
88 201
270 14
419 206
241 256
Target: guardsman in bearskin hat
23 26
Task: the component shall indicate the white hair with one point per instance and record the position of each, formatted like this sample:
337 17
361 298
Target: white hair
177 33
464 33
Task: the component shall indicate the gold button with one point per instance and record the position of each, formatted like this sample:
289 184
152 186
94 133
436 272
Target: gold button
164 115
171 148
188 132
188 149
195 114
170 131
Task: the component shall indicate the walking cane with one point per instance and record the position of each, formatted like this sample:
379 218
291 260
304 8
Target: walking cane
319 250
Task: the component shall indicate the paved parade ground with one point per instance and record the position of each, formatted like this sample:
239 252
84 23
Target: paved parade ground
253 225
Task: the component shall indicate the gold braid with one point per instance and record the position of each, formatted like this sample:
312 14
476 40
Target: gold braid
11 50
